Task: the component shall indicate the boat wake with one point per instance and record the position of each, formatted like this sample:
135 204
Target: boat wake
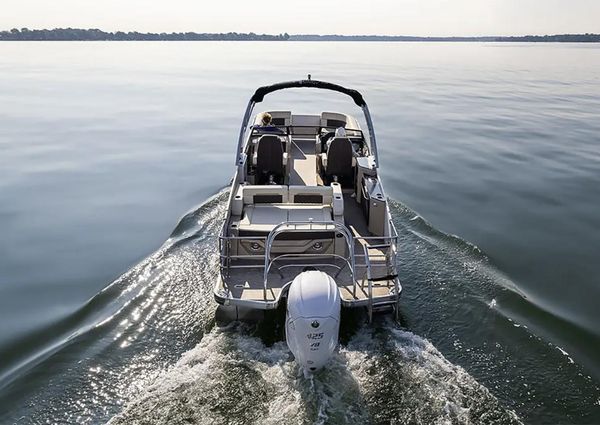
147 350
384 375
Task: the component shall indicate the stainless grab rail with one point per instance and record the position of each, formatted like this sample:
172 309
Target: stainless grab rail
310 255
323 226
388 248
369 284
225 257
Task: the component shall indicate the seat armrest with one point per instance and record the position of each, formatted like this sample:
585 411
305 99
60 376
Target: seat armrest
338 200
237 202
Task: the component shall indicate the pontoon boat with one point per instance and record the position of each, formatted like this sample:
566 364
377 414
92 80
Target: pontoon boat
308 223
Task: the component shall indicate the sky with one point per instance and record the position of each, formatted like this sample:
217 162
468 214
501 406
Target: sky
386 17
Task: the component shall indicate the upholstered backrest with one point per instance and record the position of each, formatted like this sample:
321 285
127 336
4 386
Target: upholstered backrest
264 194
339 157
281 118
327 196
333 119
269 156
310 195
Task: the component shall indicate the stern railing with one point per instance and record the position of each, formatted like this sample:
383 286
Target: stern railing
382 247
311 226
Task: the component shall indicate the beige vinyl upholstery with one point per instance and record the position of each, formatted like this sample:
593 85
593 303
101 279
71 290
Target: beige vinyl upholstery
338 201
326 192
263 218
250 192
336 116
247 193
309 212
262 207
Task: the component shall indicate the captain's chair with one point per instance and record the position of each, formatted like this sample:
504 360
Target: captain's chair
337 162
269 160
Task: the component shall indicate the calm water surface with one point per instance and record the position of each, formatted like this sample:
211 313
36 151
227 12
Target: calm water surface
113 157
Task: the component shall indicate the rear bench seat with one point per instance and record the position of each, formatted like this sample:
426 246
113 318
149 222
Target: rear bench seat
262 207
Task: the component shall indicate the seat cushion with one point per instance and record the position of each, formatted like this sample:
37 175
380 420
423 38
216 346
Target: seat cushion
263 218
307 213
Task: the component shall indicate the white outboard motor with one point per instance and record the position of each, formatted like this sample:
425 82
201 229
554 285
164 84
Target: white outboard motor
313 318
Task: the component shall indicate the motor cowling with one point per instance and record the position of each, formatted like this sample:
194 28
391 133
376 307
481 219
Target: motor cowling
313 318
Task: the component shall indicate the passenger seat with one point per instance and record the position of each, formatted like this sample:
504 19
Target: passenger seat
269 160
337 162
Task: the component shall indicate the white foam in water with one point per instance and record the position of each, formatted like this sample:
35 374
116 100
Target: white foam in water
424 386
381 376
564 353
228 375
234 377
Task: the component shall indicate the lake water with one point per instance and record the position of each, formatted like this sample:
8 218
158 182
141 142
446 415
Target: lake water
113 160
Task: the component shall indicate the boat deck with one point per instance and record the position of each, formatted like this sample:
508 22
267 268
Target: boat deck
247 284
244 278
303 157
315 213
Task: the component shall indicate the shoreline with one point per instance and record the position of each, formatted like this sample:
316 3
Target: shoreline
77 34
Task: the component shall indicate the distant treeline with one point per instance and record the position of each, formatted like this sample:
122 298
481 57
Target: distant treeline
561 38
76 34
